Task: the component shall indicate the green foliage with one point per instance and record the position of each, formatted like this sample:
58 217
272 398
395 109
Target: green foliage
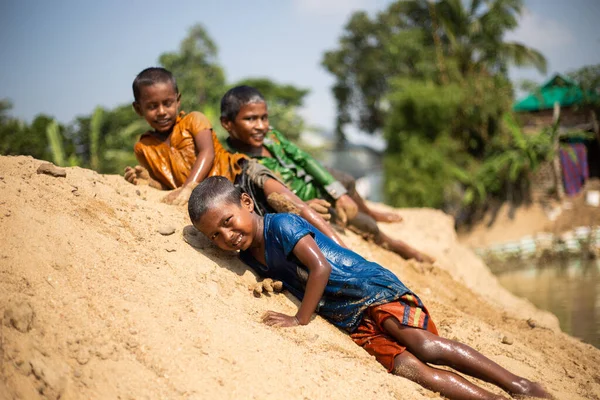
443 40
17 137
509 165
213 113
200 78
95 132
56 143
105 139
432 74
425 169
587 77
283 101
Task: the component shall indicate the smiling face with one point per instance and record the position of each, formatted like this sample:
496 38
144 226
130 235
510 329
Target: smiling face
159 105
250 125
231 226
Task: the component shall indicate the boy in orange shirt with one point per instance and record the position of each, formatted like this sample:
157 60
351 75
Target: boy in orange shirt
181 150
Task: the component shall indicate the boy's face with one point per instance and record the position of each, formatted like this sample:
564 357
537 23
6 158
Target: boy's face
230 226
250 125
159 105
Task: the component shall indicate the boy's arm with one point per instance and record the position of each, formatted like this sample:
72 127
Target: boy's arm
205 157
345 206
201 131
319 270
312 167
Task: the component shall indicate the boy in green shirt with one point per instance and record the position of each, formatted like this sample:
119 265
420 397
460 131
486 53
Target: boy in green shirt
244 116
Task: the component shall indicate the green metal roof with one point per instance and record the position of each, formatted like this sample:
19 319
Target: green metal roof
559 89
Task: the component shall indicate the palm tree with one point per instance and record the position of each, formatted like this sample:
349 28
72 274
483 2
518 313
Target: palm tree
439 40
473 34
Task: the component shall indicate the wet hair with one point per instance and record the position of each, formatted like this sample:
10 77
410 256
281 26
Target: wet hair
238 97
151 76
212 192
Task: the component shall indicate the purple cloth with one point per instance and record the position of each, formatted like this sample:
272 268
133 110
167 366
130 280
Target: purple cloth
574 167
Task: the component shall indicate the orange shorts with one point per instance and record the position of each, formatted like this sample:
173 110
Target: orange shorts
370 335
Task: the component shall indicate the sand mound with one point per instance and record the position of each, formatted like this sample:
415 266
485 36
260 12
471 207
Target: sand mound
98 304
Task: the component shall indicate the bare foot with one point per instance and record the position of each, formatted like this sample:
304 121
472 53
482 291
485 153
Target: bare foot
382 216
422 257
526 389
139 175
179 196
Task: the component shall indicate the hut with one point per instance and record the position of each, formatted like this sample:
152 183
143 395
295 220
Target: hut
578 156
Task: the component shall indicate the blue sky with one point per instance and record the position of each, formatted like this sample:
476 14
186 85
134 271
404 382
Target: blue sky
63 58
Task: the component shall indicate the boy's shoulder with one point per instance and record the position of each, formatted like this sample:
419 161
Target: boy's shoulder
195 121
193 115
285 230
285 223
282 218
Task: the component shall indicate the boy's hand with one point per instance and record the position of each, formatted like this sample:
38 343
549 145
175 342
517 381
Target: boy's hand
139 175
346 208
321 207
178 196
279 320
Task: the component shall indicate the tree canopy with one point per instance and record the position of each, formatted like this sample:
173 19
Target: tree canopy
432 76
441 41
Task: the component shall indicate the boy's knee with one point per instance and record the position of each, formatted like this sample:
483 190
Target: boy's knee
408 366
345 179
366 224
430 348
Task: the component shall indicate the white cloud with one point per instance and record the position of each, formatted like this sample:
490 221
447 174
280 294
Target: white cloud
544 34
331 7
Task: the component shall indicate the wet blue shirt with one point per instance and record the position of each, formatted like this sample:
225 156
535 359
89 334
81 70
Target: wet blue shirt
354 284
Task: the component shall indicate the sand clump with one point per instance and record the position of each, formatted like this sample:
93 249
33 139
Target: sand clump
97 304
266 287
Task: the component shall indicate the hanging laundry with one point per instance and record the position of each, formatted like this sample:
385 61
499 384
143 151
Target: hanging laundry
574 167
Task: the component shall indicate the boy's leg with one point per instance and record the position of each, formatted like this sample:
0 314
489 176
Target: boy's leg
367 226
380 216
403 249
434 349
350 184
446 383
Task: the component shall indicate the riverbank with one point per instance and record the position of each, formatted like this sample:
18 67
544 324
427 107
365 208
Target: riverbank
98 304
510 225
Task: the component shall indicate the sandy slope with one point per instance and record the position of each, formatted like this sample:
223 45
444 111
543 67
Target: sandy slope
98 304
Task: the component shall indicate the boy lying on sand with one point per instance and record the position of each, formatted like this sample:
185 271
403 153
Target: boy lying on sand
381 313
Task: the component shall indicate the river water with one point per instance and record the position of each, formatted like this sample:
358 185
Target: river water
570 289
